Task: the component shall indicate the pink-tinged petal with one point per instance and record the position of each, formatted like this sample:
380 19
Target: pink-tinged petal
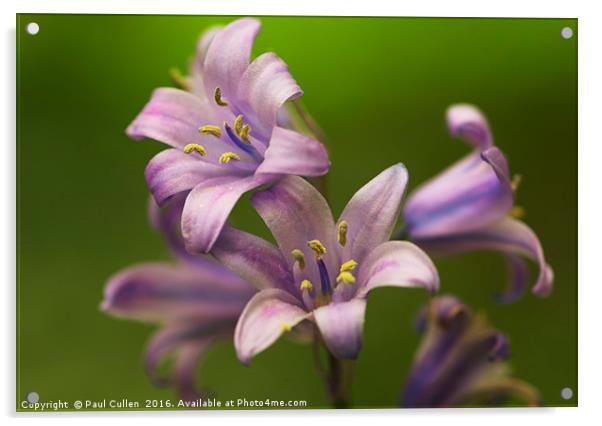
173 116
208 206
296 213
228 56
168 221
188 342
253 258
469 195
268 314
172 171
292 153
161 292
264 87
468 122
197 71
397 264
373 211
341 326
507 235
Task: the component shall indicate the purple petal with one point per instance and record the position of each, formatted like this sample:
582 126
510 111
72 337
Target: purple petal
264 87
468 122
208 206
373 211
507 235
188 342
467 196
168 221
186 364
197 69
228 56
397 264
268 314
341 325
256 260
292 153
172 171
296 213
160 292
518 280
173 116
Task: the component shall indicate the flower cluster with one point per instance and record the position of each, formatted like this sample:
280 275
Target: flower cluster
230 132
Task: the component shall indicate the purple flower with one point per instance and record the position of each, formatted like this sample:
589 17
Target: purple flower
469 207
321 271
461 361
224 134
196 301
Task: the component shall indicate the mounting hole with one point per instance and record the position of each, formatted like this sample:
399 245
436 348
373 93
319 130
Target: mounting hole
566 393
33 397
33 28
566 33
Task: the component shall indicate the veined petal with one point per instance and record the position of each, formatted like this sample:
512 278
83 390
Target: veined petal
173 116
507 235
292 153
372 212
467 196
228 55
172 171
253 258
341 326
397 264
468 122
208 206
268 314
296 213
265 85
160 292
197 69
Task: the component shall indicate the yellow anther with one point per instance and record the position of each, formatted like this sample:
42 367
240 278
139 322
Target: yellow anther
238 123
343 233
227 156
346 277
244 133
286 326
218 97
516 180
306 285
299 257
195 147
211 129
317 247
517 212
348 266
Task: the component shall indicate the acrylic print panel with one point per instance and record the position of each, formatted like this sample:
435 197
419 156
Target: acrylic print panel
388 207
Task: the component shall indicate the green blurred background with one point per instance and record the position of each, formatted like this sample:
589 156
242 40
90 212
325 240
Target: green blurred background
379 87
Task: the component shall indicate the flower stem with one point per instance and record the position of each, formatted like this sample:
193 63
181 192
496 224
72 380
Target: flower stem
341 374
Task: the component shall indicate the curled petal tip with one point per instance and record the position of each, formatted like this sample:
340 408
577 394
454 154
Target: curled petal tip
468 122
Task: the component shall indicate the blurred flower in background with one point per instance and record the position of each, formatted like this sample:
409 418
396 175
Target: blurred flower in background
195 301
461 361
469 207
